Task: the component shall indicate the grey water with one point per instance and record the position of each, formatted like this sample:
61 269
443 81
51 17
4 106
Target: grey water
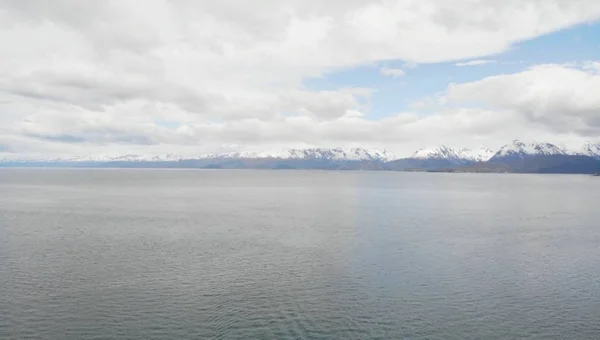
217 254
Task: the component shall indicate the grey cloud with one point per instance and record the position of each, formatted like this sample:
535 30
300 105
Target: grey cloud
94 92
62 138
105 24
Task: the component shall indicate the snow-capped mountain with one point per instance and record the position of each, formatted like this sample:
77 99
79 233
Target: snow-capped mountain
436 152
480 154
519 149
334 154
95 158
514 157
138 158
591 149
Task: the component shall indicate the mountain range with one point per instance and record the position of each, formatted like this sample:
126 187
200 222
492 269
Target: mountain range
516 156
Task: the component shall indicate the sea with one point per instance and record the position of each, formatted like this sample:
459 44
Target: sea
268 254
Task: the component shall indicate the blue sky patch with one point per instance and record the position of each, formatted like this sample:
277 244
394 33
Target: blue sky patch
396 94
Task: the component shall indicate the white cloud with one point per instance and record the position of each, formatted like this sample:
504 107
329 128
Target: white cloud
101 76
563 98
593 66
476 62
392 72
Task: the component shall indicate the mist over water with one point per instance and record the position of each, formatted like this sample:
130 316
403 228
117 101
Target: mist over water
190 254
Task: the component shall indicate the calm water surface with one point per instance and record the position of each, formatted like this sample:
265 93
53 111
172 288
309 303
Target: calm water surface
179 254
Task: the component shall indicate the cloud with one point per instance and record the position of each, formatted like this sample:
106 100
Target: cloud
476 62
392 72
592 66
102 76
563 98
124 129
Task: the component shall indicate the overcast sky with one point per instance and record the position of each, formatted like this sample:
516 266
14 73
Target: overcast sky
193 76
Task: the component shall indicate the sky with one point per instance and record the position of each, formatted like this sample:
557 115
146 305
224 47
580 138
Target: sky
192 77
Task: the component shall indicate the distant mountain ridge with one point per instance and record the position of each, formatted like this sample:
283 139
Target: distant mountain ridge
524 157
520 150
330 154
480 154
516 156
591 150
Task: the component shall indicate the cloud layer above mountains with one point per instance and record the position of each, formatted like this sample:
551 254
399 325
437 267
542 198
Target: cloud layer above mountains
197 76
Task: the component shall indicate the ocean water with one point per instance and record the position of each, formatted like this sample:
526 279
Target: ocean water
195 254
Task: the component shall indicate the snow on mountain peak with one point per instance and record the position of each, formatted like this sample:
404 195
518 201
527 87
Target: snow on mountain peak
480 154
515 149
334 154
521 149
591 149
331 154
435 152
